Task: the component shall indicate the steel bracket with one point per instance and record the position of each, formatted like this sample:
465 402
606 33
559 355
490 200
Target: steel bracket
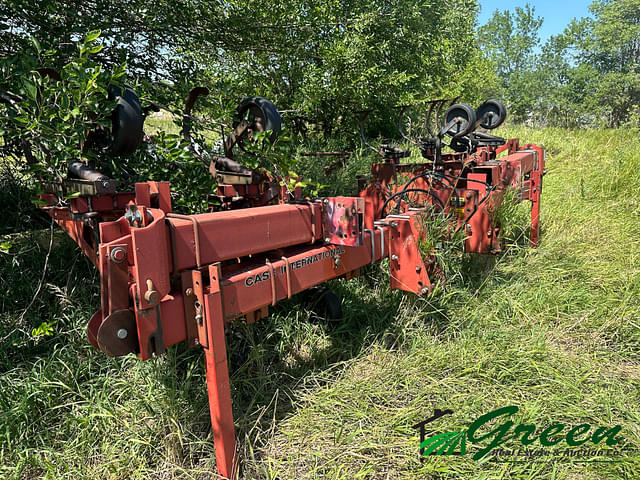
343 220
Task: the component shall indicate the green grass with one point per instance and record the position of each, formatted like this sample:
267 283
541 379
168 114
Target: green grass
553 330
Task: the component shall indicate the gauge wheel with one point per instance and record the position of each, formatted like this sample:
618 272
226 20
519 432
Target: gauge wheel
466 119
324 303
261 114
491 114
127 120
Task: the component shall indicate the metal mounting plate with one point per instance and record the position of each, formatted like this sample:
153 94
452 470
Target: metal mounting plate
343 220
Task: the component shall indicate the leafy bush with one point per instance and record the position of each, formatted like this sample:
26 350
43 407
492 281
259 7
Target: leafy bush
46 121
51 118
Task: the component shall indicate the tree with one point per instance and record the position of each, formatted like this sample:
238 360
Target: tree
586 75
342 56
324 59
509 41
610 44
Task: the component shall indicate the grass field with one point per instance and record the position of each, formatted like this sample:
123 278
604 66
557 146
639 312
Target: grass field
554 331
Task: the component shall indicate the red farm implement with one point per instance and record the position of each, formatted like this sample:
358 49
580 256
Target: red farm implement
168 278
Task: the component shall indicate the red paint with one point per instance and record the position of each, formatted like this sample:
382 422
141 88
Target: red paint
185 276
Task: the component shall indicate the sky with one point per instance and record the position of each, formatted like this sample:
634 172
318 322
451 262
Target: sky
557 14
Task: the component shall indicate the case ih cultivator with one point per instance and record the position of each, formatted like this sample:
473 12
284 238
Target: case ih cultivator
168 278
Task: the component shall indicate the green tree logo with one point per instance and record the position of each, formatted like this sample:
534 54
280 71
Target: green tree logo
445 444
448 443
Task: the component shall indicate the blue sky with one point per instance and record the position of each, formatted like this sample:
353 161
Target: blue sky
557 14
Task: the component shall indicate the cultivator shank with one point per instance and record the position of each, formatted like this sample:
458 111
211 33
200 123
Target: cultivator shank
168 278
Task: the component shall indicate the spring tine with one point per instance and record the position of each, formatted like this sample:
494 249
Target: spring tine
363 117
428 122
439 118
192 96
403 108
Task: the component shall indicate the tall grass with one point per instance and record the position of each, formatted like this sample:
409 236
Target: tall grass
553 330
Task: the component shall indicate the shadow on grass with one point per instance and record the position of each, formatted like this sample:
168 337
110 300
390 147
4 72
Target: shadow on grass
68 288
270 362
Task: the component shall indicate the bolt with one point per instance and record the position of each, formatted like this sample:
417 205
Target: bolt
336 261
188 292
424 290
196 341
327 239
199 318
105 184
326 201
394 257
394 224
118 255
122 333
418 268
469 227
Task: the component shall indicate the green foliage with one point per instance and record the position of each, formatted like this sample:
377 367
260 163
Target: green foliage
587 75
509 41
44 329
149 40
269 152
513 217
344 56
47 122
323 61
52 119
605 52
446 245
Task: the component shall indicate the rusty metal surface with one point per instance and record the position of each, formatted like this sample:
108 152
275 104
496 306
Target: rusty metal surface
92 328
106 186
342 220
407 269
255 230
189 102
218 386
117 334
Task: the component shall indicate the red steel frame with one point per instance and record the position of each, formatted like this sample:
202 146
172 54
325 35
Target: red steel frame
168 278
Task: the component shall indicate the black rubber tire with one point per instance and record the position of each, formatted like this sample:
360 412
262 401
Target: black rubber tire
468 116
266 109
324 303
498 111
127 121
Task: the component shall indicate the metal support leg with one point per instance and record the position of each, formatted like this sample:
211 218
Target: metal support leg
218 380
536 185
